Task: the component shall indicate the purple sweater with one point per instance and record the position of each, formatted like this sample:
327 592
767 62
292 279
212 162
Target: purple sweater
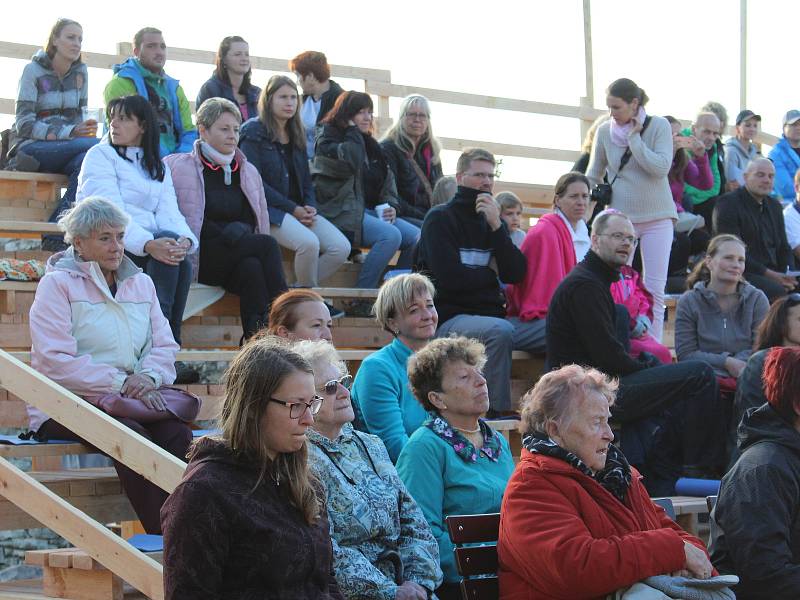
697 173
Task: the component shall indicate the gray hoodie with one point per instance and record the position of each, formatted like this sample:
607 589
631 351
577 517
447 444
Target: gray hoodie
736 159
703 332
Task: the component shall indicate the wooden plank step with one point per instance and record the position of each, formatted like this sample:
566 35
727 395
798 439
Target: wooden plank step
18 227
33 590
29 176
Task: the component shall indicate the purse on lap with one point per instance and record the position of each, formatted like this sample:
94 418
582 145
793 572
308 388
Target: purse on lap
180 403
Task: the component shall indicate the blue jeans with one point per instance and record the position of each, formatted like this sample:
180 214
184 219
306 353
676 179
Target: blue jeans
171 282
384 239
65 157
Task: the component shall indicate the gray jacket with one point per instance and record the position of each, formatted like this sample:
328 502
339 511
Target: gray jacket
736 159
703 332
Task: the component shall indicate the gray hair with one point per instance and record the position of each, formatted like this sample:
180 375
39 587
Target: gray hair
213 108
397 132
552 399
318 353
91 214
444 190
396 294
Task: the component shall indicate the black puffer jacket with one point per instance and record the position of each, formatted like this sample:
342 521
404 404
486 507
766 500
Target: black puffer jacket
755 531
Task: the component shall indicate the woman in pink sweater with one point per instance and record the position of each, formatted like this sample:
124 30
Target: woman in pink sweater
552 247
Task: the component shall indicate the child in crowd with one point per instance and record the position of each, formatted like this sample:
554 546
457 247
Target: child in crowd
444 190
511 213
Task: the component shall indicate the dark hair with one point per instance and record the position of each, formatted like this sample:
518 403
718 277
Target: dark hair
140 108
782 380
775 326
568 179
681 160
628 91
294 126
701 272
347 106
49 47
139 36
311 62
221 71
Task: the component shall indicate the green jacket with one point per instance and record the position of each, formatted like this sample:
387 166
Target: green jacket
699 196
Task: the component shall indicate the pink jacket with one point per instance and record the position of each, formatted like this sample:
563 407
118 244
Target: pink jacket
88 340
551 255
631 293
187 177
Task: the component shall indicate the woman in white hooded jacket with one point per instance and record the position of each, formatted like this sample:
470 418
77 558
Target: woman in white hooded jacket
126 169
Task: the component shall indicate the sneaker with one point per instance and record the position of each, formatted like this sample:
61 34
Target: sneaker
336 313
184 374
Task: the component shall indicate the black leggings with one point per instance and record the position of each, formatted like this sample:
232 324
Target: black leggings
251 269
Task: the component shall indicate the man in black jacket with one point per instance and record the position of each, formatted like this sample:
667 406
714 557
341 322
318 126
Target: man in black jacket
757 218
457 244
678 403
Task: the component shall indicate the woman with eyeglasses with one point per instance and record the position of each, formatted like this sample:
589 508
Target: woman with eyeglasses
635 151
454 464
248 520
353 180
381 395
413 154
382 545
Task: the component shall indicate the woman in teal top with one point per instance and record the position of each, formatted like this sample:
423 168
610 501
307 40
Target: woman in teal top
455 463
383 401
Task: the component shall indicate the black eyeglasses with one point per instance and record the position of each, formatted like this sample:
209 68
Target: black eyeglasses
332 386
297 409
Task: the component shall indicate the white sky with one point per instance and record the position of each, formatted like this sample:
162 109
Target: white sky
682 52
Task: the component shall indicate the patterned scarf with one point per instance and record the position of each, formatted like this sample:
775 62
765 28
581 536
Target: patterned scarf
463 447
615 477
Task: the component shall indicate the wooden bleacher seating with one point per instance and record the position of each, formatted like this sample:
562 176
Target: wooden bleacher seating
477 565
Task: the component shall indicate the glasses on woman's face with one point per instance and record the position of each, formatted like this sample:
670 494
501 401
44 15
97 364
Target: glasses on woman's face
794 298
332 386
418 116
297 409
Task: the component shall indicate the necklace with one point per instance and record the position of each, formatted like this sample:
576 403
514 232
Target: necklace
476 430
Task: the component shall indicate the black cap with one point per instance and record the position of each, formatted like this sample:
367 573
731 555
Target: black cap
747 114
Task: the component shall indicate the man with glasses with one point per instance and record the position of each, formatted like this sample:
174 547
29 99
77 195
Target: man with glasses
458 243
757 219
671 423
786 155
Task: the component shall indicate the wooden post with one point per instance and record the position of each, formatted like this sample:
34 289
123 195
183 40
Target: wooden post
587 50
96 427
742 54
114 553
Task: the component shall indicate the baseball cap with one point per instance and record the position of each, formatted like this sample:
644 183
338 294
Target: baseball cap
791 117
747 114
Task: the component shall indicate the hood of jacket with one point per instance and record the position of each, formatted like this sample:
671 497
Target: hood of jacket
71 263
746 291
763 424
734 146
214 450
40 58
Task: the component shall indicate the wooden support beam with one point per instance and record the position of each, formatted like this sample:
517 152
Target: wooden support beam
96 427
141 571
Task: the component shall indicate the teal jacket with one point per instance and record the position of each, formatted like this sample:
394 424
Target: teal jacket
384 398
371 512
438 469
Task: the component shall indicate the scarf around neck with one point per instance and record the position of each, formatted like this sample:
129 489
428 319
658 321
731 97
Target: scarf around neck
620 133
466 451
218 158
615 477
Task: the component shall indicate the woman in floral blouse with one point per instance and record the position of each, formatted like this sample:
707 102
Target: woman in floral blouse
382 546
455 463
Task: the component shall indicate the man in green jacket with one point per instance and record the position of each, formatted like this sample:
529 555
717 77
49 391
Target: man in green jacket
143 74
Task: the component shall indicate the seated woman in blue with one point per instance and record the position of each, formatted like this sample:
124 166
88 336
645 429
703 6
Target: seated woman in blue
231 78
353 181
374 520
50 127
381 395
455 463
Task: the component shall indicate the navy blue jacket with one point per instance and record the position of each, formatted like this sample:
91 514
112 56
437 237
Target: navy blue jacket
216 88
271 161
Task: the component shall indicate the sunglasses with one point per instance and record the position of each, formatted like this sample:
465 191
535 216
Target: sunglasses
332 386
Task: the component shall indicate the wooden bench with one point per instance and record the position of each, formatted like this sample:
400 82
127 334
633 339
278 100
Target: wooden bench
477 565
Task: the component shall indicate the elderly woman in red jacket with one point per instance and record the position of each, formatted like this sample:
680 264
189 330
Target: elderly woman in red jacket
222 197
576 521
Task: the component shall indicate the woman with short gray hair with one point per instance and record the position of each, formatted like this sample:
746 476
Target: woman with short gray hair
221 195
385 405
97 329
576 517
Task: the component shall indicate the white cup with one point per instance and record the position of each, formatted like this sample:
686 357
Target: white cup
380 208
96 114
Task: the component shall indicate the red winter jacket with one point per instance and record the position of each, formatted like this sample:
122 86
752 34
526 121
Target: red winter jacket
564 536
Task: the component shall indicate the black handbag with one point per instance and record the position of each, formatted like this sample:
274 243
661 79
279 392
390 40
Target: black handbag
602 192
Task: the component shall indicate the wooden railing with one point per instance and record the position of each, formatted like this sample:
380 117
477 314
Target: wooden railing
378 82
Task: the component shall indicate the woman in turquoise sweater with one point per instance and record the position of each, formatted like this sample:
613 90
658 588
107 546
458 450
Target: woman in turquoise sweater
455 463
383 401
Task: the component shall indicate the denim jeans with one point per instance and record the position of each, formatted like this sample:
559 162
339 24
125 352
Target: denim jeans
171 282
65 157
384 239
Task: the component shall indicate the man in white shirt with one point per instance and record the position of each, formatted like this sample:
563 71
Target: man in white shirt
791 218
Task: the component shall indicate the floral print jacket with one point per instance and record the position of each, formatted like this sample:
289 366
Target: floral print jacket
370 513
